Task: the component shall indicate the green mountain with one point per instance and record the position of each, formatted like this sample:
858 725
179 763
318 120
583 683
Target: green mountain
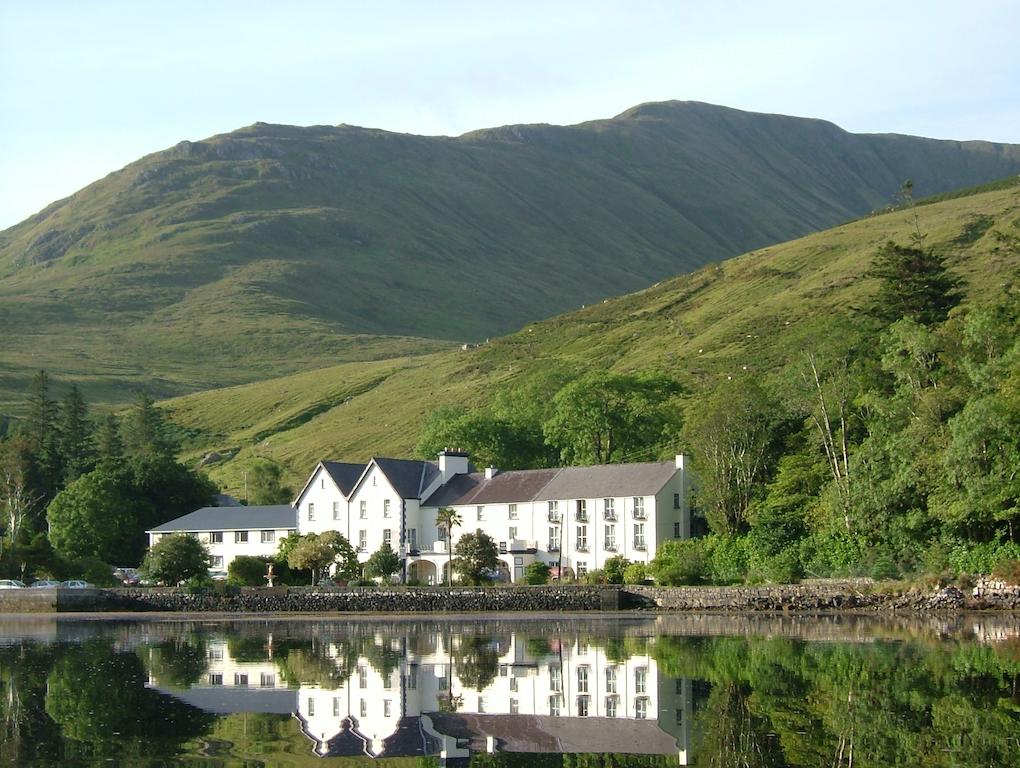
752 313
275 249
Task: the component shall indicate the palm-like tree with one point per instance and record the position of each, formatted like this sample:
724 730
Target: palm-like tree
447 517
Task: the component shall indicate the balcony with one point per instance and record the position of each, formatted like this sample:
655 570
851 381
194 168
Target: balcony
609 516
639 514
553 547
609 546
581 517
553 517
581 547
639 545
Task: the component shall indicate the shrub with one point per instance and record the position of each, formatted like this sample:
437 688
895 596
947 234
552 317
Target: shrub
727 558
597 576
536 573
250 571
1008 571
383 563
783 568
176 558
635 573
680 562
614 569
96 572
982 557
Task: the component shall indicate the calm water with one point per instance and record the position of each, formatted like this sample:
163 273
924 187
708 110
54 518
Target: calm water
714 691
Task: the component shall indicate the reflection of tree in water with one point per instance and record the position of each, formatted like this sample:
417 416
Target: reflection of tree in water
732 735
27 735
311 662
476 660
178 662
99 699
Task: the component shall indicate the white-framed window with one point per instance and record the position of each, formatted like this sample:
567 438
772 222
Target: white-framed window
555 679
514 707
513 683
609 508
215 537
641 708
411 537
215 654
641 680
216 679
363 509
611 706
240 537
363 677
582 706
363 708
512 533
479 513
639 535
582 538
387 682
267 680
362 540
216 561
240 679
554 539
639 507
582 509
582 678
611 679
336 510
609 540
554 511
336 706
512 511
268 537
582 568
387 708
311 510
554 705
387 537
676 501
386 508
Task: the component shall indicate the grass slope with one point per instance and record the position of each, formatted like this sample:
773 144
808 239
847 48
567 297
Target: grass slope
274 249
755 310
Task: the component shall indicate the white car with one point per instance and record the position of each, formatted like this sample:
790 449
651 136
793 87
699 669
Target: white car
11 584
76 584
46 584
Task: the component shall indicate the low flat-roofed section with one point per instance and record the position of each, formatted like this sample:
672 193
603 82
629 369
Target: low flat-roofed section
280 516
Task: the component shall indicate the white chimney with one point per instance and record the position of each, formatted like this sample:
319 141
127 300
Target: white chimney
681 461
490 472
452 463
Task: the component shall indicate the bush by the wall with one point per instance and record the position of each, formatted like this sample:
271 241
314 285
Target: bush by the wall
679 562
635 573
249 570
536 573
983 557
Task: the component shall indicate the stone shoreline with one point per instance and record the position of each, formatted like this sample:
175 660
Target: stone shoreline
799 598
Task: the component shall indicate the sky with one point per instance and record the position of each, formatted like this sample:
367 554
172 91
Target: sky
87 87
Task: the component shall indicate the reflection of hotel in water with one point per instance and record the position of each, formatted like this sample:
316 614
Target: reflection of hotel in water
571 698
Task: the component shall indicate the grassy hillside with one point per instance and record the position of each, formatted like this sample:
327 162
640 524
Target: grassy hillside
275 249
754 311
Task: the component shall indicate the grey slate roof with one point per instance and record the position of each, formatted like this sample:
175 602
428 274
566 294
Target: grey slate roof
232 518
407 476
344 475
603 480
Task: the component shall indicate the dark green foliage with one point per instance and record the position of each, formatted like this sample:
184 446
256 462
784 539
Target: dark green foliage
915 284
476 553
492 441
382 563
536 573
96 516
319 552
249 571
145 430
614 569
176 558
264 483
109 444
679 562
77 450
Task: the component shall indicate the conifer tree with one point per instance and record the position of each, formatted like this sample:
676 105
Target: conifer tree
145 430
40 431
77 450
109 444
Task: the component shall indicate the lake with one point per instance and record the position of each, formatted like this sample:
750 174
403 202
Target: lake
577 691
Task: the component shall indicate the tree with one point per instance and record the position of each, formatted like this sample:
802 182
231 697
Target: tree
446 519
95 516
40 429
536 573
605 417
145 430
915 283
20 502
317 552
248 570
176 558
264 483
476 553
74 430
166 488
109 444
733 436
614 569
383 563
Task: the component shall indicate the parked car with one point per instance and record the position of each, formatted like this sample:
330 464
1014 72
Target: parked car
129 577
46 584
218 575
11 584
76 584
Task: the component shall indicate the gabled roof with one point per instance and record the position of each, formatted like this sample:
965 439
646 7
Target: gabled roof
409 477
232 518
344 475
602 480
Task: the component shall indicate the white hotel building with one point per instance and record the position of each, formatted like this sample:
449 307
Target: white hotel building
575 516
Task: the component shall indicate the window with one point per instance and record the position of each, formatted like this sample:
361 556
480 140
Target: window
639 507
412 677
641 708
387 682
362 541
216 537
639 535
268 537
363 708
481 706
582 679
513 683
554 539
216 654
641 680
363 509
387 708
479 513
336 510
336 706
267 680
514 707
216 561
611 680
386 508
582 569
676 501
311 511
676 530
610 509
555 679
582 538
373 480
322 482
554 511
679 717
582 510
609 541
512 533
387 537
611 706
240 537
362 677
216 679
513 511
582 706
554 706
411 537
240 679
